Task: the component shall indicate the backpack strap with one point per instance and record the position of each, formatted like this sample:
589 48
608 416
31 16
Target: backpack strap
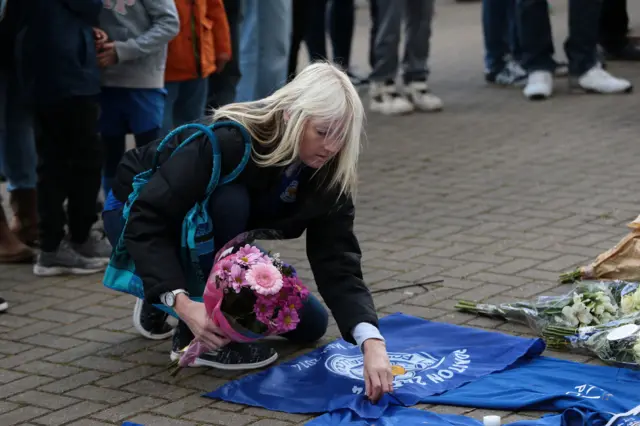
209 132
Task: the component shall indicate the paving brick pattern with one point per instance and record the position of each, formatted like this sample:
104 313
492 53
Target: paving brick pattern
495 195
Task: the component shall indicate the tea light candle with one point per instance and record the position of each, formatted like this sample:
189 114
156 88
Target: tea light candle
491 420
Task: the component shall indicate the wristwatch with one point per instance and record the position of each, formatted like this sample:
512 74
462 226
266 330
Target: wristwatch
169 298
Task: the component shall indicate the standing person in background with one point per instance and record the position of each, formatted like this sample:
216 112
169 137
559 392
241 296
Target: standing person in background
202 47
373 16
265 41
9 243
501 46
413 93
64 93
222 83
133 62
614 32
298 25
341 21
18 156
585 68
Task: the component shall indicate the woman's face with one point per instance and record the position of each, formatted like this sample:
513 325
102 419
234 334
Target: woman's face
317 145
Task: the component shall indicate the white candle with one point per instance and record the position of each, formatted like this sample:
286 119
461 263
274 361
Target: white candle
491 420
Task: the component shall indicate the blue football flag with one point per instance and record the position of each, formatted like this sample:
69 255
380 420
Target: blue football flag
402 416
549 384
393 416
428 358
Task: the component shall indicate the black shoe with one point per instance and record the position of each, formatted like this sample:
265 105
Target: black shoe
3 305
151 322
181 339
234 356
630 52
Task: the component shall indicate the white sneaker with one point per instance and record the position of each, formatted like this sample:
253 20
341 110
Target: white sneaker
598 80
539 85
386 99
418 93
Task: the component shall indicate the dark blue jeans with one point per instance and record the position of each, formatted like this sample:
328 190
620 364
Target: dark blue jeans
534 29
499 26
230 209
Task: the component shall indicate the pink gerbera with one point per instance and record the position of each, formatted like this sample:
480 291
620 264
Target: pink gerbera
264 278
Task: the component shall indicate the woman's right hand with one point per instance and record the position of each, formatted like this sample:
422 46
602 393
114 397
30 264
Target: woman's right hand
194 314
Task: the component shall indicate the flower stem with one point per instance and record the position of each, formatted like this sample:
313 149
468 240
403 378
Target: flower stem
571 277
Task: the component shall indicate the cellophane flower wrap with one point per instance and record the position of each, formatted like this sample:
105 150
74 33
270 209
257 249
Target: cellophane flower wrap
581 320
616 342
250 294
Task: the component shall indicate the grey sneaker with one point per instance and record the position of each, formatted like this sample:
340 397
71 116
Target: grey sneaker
65 261
96 247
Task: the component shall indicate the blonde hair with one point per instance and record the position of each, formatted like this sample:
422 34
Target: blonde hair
320 92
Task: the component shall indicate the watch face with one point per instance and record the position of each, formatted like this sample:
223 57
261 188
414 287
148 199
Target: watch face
171 298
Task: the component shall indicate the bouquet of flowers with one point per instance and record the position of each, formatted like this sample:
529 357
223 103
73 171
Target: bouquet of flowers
585 305
588 319
616 342
621 262
629 297
249 295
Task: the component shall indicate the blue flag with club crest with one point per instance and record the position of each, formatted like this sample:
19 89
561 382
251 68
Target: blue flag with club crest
550 384
402 416
428 358
585 395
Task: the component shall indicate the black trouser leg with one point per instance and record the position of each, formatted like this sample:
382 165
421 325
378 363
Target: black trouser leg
69 166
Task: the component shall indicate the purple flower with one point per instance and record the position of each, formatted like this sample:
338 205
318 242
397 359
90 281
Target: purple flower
237 277
248 255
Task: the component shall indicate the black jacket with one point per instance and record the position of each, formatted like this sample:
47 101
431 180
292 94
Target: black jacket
152 233
55 49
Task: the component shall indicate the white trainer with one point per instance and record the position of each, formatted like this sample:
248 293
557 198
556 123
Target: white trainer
539 85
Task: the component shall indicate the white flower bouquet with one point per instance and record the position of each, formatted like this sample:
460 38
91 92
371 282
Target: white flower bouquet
617 342
587 304
629 297
595 318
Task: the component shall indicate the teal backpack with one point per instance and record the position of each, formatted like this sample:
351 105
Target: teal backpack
197 247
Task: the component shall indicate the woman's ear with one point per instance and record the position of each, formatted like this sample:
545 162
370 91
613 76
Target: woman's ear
287 116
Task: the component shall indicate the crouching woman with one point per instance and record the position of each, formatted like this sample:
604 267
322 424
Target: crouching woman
301 177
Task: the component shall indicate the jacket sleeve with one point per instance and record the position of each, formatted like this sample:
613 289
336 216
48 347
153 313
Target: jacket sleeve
165 25
88 10
152 234
221 34
334 255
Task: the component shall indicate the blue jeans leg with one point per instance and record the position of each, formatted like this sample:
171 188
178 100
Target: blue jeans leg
264 48
584 26
185 102
497 21
534 29
113 150
513 34
17 138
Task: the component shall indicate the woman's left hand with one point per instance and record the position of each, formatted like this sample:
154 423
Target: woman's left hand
378 378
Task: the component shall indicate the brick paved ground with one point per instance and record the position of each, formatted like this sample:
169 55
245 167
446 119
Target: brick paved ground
495 195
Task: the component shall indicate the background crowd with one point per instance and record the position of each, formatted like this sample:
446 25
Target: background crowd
77 76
